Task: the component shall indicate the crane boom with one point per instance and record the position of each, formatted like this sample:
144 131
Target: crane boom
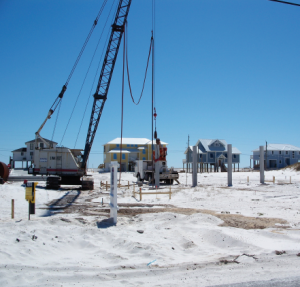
109 61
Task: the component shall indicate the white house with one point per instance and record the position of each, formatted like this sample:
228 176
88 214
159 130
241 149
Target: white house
25 154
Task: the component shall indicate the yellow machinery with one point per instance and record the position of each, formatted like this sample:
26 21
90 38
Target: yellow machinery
30 196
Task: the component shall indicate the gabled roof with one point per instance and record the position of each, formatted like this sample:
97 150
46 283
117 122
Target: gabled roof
208 142
39 140
135 141
282 147
22 149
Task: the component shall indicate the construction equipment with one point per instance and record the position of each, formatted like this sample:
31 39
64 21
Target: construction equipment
145 169
68 166
4 172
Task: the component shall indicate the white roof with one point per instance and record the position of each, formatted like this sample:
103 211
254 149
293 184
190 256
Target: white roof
138 141
282 147
118 151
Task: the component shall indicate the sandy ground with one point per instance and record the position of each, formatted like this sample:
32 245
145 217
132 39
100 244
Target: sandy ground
203 236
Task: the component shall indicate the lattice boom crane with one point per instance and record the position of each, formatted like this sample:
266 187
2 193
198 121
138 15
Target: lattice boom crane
68 166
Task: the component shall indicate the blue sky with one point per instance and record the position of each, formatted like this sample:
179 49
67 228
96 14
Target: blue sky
226 69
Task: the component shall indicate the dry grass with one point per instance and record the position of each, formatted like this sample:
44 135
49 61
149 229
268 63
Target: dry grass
295 166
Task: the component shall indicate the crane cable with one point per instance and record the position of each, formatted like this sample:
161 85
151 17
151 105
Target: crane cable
58 100
86 41
86 74
122 106
125 62
128 77
92 86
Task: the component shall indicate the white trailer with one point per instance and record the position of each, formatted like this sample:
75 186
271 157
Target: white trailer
62 166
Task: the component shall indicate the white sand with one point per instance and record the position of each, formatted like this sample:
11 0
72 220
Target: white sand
75 247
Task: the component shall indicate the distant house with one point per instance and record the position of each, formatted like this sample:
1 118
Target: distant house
211 153
132 149
25 154
277 156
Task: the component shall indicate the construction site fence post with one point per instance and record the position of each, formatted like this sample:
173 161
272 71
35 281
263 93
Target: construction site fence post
12 208
106 185
140 194
128 184
273 179
170 193
248 179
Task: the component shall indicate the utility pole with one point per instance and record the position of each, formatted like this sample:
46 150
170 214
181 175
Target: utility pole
188 155
266 155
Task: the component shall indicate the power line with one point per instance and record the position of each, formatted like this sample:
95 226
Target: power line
285 2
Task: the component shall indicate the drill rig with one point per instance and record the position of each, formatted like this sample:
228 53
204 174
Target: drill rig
69 166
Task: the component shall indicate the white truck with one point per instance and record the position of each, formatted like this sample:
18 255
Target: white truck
143 171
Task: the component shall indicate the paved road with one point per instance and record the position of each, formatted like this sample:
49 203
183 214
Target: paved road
286 282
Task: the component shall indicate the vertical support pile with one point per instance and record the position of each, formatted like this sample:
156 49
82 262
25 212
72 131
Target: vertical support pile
229 163
261 164
194 166
113 191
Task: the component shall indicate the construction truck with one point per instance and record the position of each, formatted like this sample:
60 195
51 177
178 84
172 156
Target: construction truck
145 169
69 166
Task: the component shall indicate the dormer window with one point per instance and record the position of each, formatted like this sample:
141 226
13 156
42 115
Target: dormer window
217 144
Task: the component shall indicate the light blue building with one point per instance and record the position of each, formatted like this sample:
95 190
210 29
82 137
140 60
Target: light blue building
211 153
277 156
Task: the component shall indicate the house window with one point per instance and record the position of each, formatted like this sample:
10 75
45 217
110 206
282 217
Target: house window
280 161
123 156
118 145
234 156
200 155
58 157
31 153
217 144
144 158
22 153
286 152
280 152
225 154
41 145
293 154
211 155
31 146
52 157
272 152
128 145
136 145
115 156
132 145
144 151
